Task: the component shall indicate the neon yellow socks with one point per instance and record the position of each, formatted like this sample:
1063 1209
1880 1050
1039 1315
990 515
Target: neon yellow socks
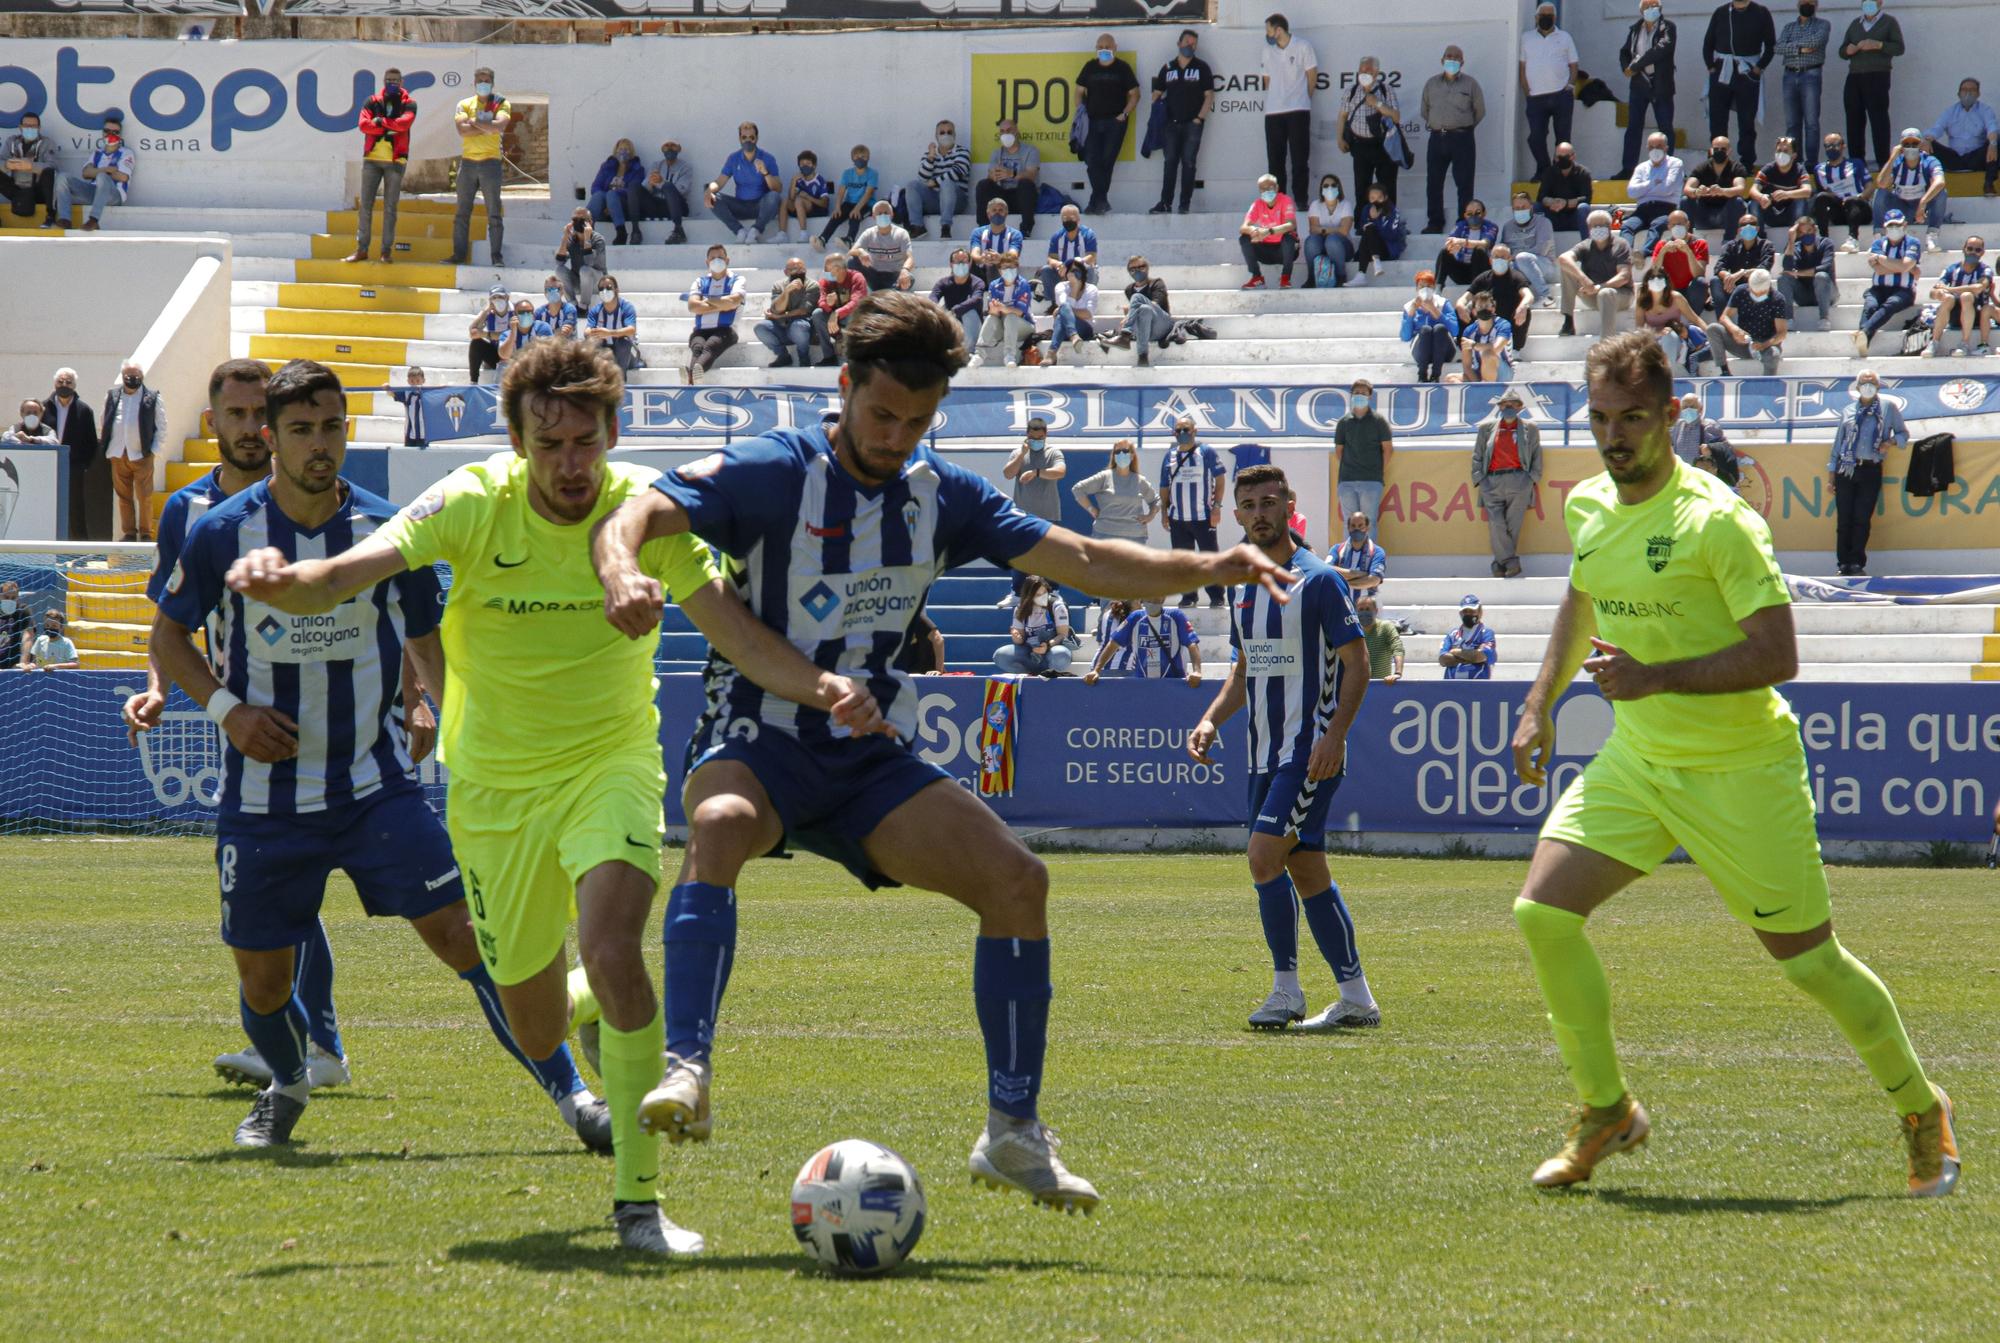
1861 1006
631 1069
582 1002
1578 997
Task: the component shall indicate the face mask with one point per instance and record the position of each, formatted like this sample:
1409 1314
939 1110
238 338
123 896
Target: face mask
1365 80
1784 160
1267 196
1510 413
1545 22
1869 9
882 221
1329 195
1184 435
1895 232
1475 218
622 154
1072 225
1138 274
806 169
497 304
1453 67
1807 11
8 606
795 277
1360 400
1913 153
1007 139
1123 459
1864 391
960 269
1270 41
717 265
1187 49
66 393
32 134
1483 315
1966 100
1651 13
1657 285
524 315
1657 155
1008 273
1154 609
825 274
1719 155
1468 618
944 139
1523 216
1808 239
31 421
1104 57
1426 294
607 297
1501 265
1748 233
111 139
1690 414
670 154
1833 153
483 90
1760 294
861 160
1679 231
132 383
554 296
1367 618
1600 234
1358 537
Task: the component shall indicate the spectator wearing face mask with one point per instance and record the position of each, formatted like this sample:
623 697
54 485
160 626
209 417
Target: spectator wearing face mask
76 428
1013 175
1913 183
1895 260
1563 191
1548 78
1110 657
1186 87
1328 234
1452 106
753 173
1964 293
1783 190
853 196
1753 322
134 425
787 329
106 179
713 298
1673 320
52 649
581 249
1153 644
1806 277
1468 250
807 195
990 241
1148 317
1749 250
1657 187
17 626
1121 502
1269 234
1870 47
1509 291
1430 329
943 175
1367 115
1965 138
1715 189
1506 467
1531 240
1598 270
1039 633
1036 467
487 333
1802 47
386 119
1485 343
883 252
963 294
30 427
1842 192
557 309
1647 60
1074 241
1694 434
31 175
1469 652
614 323
1384 234
1869 427
481 121
618 181
1008 320
1362 446
525 331
1360 560
665 193
1681 258
1076 313
841 290
1107 91
1384 640
1191 477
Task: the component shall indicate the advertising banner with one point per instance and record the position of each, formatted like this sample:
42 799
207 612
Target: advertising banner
1038 90
1424 757
984 13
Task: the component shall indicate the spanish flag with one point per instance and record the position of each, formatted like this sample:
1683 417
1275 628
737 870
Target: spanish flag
997 725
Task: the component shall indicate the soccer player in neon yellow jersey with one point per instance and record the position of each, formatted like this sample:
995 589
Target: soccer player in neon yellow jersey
551 731
1677 576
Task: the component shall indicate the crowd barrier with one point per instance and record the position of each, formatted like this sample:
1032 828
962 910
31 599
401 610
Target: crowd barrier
1427 757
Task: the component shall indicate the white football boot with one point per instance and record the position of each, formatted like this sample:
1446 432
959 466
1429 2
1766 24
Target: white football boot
1025 1159
677 1109
642 1226
1280 1010
247 1067
1341 1015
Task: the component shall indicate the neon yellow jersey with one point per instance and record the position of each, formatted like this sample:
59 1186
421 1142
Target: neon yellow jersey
538 684
478 148
1668 580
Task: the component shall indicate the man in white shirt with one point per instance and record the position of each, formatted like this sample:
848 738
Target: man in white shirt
134 426
1291 73
1548 74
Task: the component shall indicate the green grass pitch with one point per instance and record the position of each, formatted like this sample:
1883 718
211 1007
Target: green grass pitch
1257 1188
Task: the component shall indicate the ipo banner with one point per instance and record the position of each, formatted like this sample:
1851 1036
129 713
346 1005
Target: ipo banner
1433 757
1414 410
988 13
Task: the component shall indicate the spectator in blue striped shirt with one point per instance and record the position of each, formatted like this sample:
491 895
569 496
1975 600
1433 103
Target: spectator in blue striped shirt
1009 319
939 186
1842 193
1191 477
1867 427
1964 291
1913 183
1074 241
1469 652
1895 260
713 299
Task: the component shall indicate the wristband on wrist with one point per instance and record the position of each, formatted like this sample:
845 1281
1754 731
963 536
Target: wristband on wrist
219 705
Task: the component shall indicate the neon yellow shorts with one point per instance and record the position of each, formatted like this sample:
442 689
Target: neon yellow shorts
1750 830
523 850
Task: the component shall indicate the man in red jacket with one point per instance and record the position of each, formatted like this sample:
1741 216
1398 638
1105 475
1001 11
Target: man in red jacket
385 152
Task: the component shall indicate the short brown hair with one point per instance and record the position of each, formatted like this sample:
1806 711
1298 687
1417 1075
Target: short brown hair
567 370
1262 474
1632 359
236 370
915 341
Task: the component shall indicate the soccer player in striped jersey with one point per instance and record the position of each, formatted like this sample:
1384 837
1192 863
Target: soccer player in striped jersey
834 538
1301 669
236 410
552 727
316 774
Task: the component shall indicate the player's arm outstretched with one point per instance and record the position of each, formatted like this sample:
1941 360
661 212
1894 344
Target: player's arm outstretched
1227 702
1125 569
1569 645
314 587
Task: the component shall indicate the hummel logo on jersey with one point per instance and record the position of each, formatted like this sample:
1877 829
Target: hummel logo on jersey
819 600
271 630
444 880
1659 550
509 564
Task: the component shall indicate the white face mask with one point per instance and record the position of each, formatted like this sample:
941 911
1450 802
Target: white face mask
1501 265
8 606
1329 195
1784 160
1365 80
959 270
1679 231
883 221
1760 293
1895 232
1657 155
1864 391
716 265
1426 295
1600 235
1007 139
1657 285
1008 273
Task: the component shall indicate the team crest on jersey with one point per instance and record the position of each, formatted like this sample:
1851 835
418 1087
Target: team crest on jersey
426 504
701 468
912 510
1659 550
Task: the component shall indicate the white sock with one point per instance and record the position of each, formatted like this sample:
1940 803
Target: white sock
1355 991
300 1091
1285 981
999 1123
573 1102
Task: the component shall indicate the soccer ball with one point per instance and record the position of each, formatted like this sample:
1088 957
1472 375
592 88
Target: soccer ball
857 1207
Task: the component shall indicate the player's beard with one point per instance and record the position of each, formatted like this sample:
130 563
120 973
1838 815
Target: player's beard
249 454
1643 463
876 467
305 483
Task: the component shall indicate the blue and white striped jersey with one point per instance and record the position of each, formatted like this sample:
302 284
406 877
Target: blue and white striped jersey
183 510
1156 647
1291 666
1904 249
1185 479
837 568
338 676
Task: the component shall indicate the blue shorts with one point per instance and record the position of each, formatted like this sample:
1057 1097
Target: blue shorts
829 798
273 869
1285 802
